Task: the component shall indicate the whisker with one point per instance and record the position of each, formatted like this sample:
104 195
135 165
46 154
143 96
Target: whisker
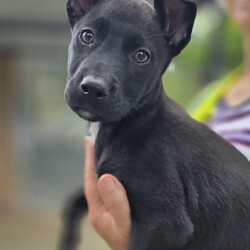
68 78
154 35
128 98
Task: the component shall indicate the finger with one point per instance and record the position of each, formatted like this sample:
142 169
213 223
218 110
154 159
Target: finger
115 199
90 179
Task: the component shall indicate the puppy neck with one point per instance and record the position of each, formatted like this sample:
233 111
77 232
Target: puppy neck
94 130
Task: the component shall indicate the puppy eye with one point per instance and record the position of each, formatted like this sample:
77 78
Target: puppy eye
141 56
87 36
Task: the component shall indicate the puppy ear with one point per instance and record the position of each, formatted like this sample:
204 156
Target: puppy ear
77 9
177 19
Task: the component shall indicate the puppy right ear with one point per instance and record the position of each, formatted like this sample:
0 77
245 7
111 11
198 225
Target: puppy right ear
77 9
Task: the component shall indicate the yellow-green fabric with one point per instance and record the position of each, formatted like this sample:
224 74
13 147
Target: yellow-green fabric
203 106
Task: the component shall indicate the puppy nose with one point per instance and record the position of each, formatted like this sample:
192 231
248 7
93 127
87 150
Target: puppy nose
94 87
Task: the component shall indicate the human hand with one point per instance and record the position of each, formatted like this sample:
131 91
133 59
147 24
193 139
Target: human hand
109 209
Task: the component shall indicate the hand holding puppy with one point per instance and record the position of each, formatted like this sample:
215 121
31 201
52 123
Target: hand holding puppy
109 209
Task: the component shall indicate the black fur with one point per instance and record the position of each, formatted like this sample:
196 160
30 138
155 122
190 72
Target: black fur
188 188
75 207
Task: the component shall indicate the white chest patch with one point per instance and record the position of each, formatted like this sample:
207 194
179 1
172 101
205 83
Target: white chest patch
94 129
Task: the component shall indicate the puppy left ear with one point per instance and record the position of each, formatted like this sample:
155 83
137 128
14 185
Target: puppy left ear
177 19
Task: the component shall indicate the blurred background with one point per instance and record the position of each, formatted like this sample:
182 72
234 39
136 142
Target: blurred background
41 151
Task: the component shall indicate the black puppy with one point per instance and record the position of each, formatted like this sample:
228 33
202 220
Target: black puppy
188 188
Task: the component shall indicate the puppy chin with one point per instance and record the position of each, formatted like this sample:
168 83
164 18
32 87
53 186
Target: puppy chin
88 116
106 117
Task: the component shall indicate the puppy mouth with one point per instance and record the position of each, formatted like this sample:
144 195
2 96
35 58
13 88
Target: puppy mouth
110 115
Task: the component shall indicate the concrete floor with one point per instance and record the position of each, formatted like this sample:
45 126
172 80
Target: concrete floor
23 231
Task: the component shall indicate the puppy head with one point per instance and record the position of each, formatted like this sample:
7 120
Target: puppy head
118 52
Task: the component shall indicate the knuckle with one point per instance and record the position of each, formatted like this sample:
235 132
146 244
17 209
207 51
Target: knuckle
94 221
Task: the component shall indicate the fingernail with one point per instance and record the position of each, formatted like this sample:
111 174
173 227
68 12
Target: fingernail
108 185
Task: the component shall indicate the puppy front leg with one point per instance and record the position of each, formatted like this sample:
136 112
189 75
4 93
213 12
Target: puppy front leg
164 232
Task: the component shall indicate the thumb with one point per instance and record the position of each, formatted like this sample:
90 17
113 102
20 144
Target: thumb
115 199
